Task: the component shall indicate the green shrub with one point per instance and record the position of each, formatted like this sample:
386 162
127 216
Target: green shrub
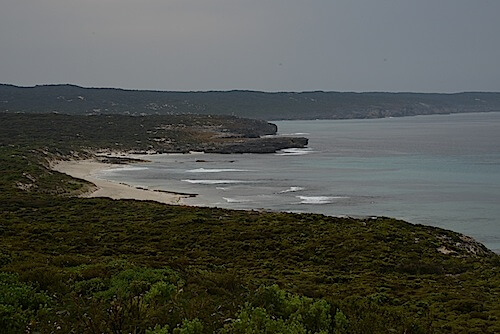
139 282
19 303
160 292
341 322
258 320
158 330
90 287
190 327
277 311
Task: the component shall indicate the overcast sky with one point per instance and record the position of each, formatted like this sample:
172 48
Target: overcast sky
269 45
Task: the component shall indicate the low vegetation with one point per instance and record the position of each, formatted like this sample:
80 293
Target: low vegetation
260 105
158 134
75 265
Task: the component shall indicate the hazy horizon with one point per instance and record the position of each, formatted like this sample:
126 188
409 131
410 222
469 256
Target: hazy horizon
242 90
448 46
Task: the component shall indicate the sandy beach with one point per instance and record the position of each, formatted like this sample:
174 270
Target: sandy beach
86 170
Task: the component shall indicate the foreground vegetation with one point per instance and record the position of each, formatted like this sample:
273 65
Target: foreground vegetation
74 265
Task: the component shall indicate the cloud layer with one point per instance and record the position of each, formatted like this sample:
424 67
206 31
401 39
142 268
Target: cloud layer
271 45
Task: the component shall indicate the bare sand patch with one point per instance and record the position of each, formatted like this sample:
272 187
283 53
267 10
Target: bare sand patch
87 169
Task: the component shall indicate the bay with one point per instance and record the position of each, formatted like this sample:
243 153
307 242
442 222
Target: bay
440 170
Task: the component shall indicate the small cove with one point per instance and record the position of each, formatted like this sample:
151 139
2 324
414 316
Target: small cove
440 170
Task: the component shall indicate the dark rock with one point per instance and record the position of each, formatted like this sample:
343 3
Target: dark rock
259 145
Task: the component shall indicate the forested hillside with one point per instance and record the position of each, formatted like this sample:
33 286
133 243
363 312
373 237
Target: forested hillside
252 104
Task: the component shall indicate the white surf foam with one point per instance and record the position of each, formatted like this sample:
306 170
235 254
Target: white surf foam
294 151
319 199
295 134
235 200
122 168
215 181
133 168
216 170
291 190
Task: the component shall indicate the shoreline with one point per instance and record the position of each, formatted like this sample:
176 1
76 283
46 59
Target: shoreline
86 170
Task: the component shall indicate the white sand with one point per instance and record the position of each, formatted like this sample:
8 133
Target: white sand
86 170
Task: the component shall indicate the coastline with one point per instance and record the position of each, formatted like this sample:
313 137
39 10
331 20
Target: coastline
86 170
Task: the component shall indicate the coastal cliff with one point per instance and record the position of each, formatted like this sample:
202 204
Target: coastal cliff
145 134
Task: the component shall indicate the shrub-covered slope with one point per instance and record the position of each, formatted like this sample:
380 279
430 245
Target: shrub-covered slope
160 134
261 105
96 260
75 265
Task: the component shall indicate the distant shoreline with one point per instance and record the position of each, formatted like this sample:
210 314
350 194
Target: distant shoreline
270 106
87 169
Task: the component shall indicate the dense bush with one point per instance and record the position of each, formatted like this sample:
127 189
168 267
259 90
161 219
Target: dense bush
74 265
276 311
19 303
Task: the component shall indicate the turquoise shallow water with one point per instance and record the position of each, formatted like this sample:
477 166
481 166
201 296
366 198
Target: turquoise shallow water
435 170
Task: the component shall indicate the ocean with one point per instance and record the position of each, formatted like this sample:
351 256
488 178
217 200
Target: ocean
439 170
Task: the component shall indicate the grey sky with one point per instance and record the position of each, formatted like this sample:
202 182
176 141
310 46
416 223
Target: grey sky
270 45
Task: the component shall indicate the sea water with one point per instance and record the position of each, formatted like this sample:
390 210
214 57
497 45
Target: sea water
440 170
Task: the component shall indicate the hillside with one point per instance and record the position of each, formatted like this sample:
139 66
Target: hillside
140 134
75 265
71 99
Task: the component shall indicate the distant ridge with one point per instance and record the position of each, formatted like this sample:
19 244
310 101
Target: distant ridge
72 99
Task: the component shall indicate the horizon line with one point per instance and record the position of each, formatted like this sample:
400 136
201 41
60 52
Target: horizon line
243 90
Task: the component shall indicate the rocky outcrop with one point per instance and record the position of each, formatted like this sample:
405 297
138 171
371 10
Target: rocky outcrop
148 134
460 245
259 145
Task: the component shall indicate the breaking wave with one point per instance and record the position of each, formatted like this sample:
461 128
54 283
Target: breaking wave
215 181
295 134
294 151
215 170
319 199
234 200
123 168
291 190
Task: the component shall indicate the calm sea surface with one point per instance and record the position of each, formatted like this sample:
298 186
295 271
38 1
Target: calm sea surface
436 170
